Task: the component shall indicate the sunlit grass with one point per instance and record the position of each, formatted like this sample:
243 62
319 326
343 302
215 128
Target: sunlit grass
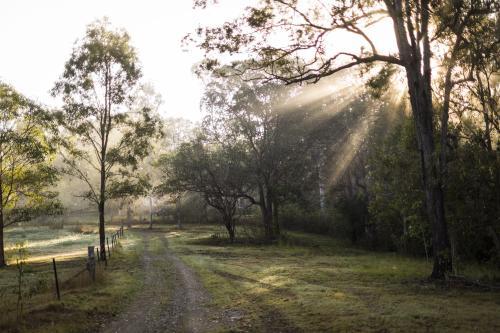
84 305
44 243
317 284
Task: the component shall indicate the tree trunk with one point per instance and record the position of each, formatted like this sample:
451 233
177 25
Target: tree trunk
495 238
321 183
415 53
228 222
276 222
421 101
405 235
425 245
178 212
102 201
102 231
2 251
205 213
454 254
231 234
266 211
267 220
485 96
129 216
150 212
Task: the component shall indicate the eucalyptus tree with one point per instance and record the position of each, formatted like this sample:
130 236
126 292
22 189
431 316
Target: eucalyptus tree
470 33
100 128
471 149
26 155
246 113
476 99
275 135
214 171
297 41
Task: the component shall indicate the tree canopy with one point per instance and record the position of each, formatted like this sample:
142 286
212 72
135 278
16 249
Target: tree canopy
27 175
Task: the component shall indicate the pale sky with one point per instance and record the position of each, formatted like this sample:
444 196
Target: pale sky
36 39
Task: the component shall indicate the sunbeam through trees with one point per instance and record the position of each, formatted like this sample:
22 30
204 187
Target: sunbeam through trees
250 166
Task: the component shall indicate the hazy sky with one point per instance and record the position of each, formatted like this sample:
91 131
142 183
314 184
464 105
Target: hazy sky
36 39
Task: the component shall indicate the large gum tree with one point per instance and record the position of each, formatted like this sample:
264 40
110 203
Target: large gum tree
296 41
103 137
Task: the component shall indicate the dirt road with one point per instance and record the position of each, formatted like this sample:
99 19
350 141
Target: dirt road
172 298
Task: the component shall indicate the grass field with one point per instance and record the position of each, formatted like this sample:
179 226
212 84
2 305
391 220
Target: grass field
307 283
44 243
316 284
84 306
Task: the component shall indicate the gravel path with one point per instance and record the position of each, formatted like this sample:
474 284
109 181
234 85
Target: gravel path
171 300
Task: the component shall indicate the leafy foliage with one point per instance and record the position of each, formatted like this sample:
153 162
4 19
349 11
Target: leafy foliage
101 127
26 155
216 172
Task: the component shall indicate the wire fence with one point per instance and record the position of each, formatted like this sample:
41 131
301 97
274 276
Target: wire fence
90 267
95 262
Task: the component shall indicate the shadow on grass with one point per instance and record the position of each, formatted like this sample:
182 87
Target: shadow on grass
314 244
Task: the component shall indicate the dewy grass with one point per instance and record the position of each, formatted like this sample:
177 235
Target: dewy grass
44 243
84 306
307 283
321 285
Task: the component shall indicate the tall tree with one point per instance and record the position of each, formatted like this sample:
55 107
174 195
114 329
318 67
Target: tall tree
470 150
26 172
472 47
477 96
101 129
294 41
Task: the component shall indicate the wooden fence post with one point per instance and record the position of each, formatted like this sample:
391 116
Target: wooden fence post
57 281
